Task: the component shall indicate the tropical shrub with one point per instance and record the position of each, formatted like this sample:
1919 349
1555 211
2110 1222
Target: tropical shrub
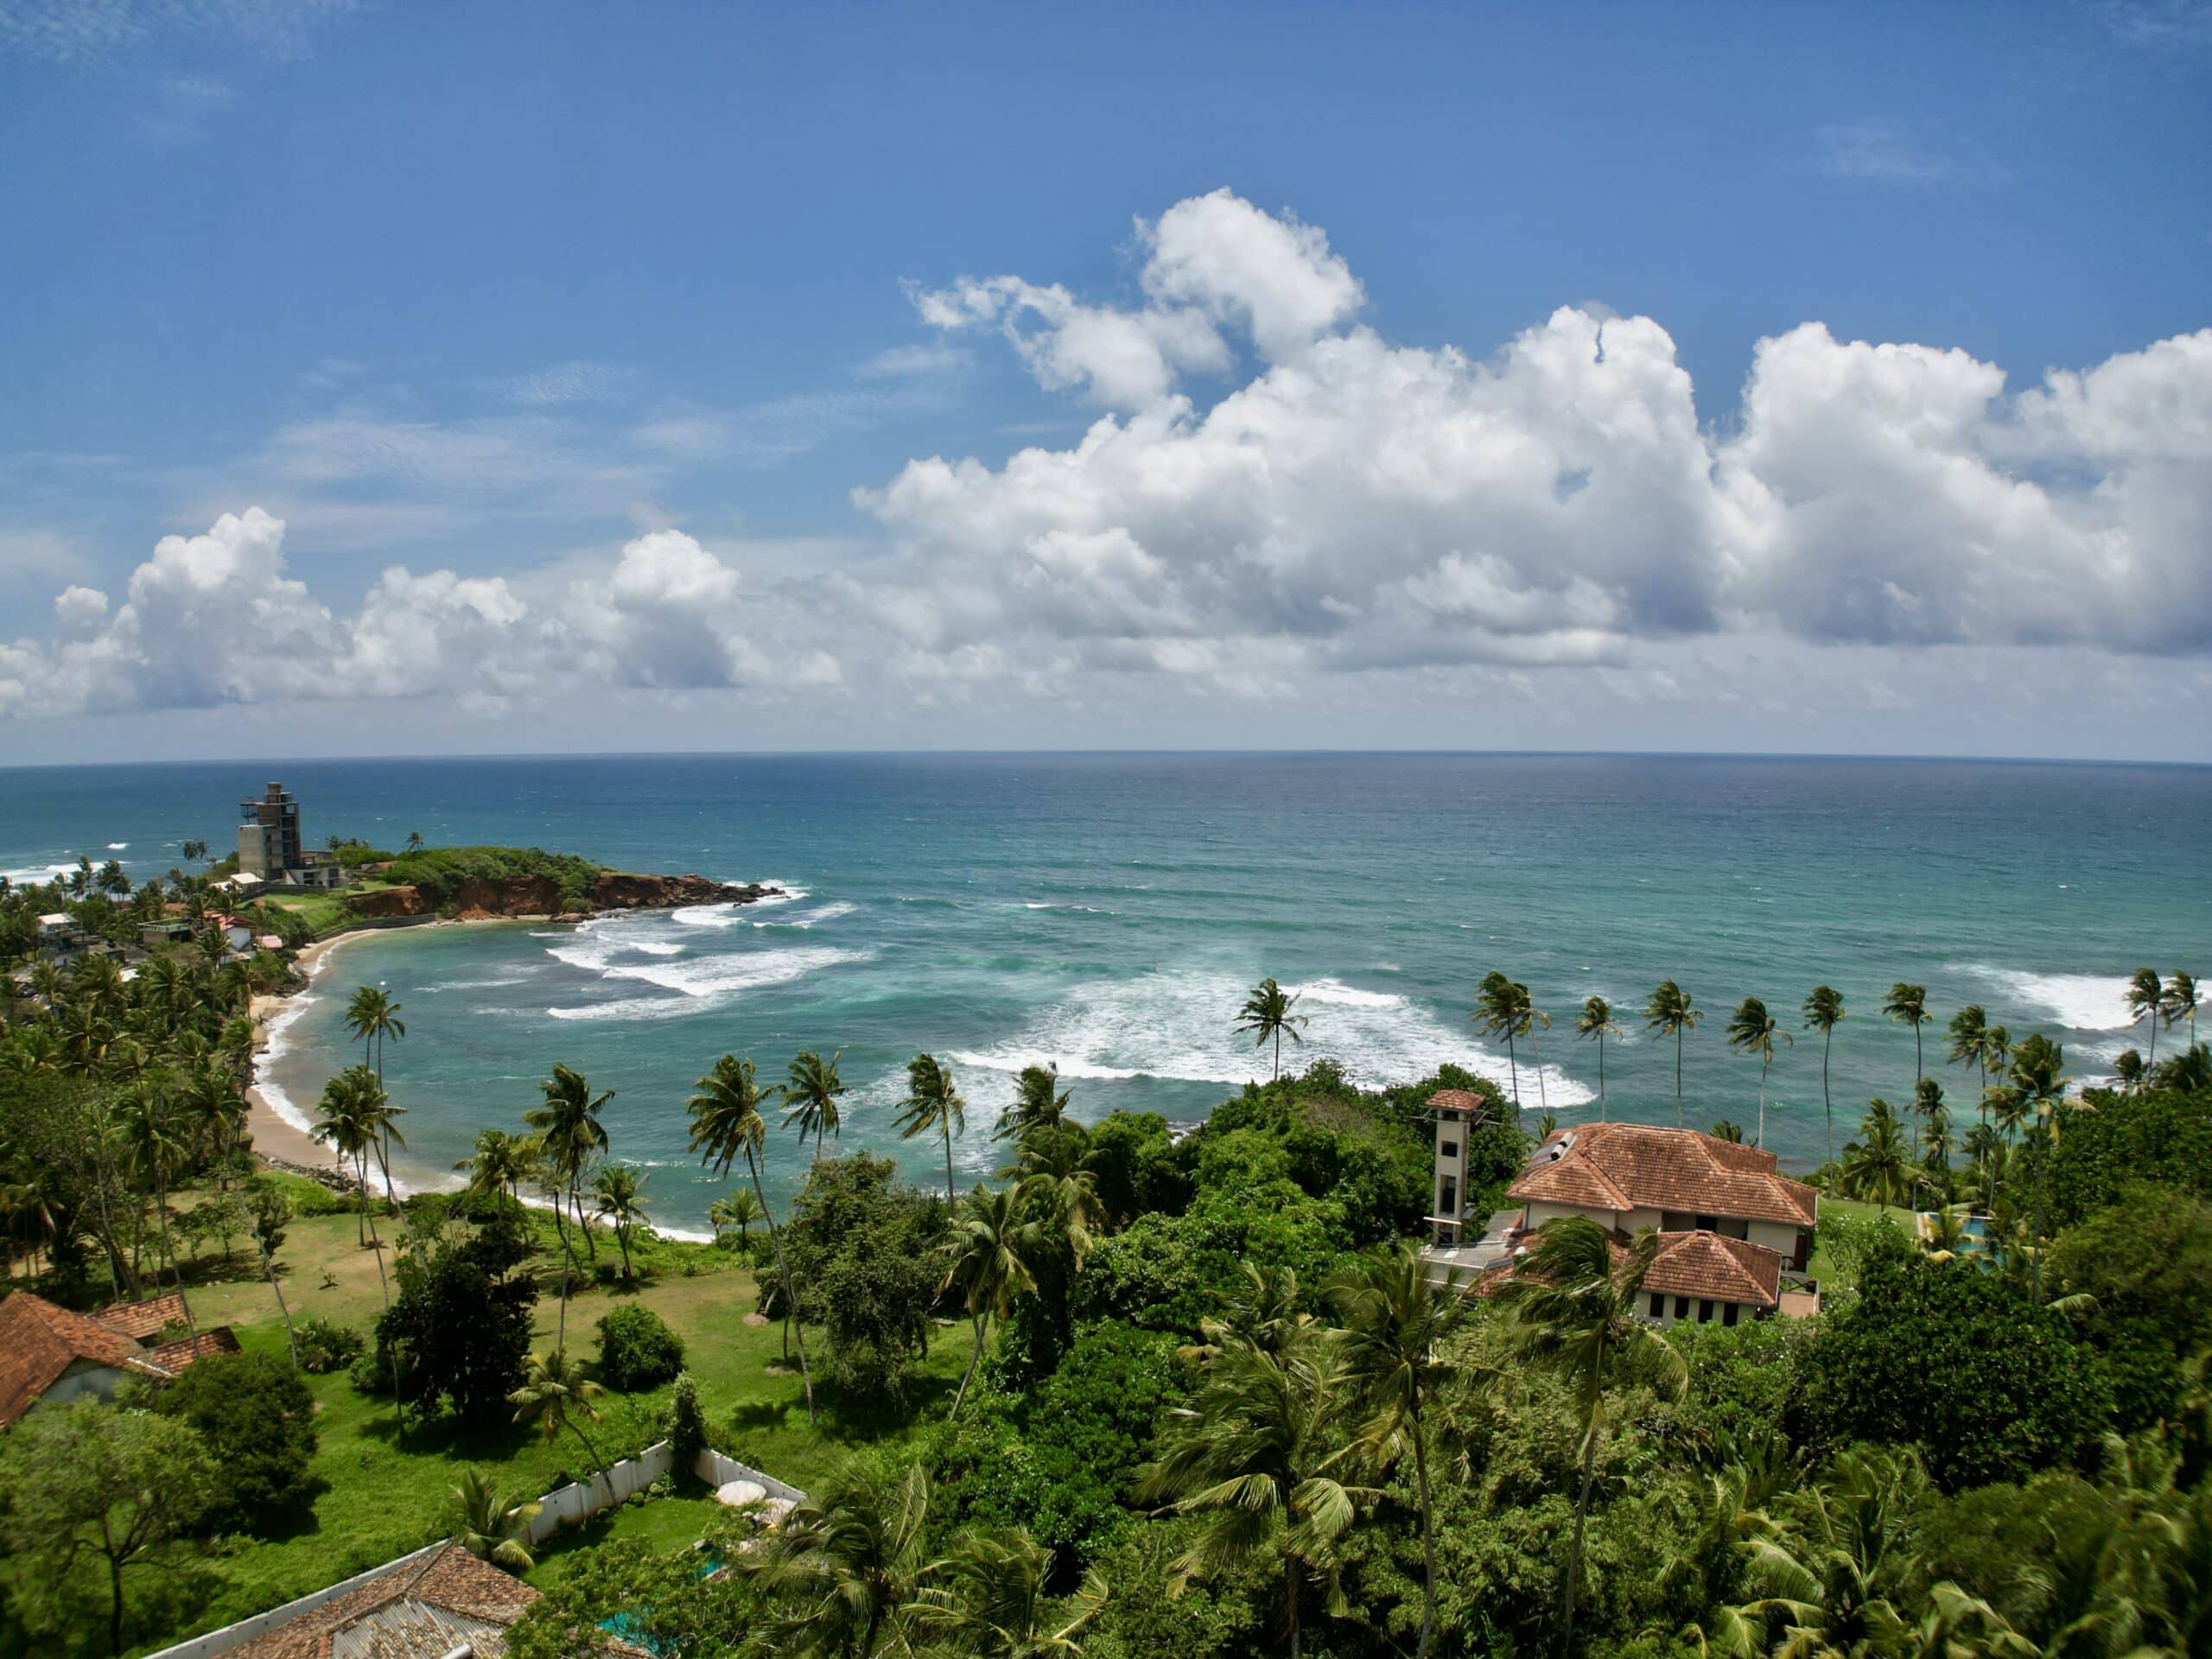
325 1347
636 1350
256 1418
1945 1355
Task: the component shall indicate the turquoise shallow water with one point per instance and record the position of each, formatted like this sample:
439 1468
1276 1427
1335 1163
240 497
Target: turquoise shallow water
1106 912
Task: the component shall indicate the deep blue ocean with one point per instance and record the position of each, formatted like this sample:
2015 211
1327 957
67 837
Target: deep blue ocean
1107 912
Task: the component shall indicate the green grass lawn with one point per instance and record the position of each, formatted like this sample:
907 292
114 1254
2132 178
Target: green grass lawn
1820 1267
384 1495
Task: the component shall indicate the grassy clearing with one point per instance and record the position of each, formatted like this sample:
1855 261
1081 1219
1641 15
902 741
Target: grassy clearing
383 1496
1823 1266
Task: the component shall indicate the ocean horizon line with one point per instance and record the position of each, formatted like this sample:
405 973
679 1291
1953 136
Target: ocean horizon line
1809 756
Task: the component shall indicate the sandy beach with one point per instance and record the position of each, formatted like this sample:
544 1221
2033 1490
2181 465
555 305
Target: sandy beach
274 1136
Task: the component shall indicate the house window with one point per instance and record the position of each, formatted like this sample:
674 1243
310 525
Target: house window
1449 1150
1658 1306
1705 1223
1449 1203
1682 1307
1705 1312
1728 1310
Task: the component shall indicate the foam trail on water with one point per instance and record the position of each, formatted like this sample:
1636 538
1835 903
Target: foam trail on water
829 912
1176 1023
2078 1002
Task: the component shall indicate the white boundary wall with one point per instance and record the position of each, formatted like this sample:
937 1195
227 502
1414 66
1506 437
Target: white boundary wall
562 1507
718 1471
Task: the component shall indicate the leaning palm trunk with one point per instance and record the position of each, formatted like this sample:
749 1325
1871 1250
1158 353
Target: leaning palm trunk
384 1287
161 1210
291 1336
1575 1555
1427 1535
784 1271
974 1360
567 1267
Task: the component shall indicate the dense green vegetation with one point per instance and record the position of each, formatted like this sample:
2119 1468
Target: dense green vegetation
440 872
1138 1395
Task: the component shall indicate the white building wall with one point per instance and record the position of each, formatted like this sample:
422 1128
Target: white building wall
1776 1238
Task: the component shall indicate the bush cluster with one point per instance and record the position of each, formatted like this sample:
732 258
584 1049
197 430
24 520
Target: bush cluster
636 1350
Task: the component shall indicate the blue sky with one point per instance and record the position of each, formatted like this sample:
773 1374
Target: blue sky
627 311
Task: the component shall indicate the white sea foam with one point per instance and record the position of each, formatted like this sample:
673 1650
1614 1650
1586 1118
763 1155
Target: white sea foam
1172 1024
1334 992
656 948
705 980
637 1007
491 983
719 976
116 846
829 912
2078 1002
36 875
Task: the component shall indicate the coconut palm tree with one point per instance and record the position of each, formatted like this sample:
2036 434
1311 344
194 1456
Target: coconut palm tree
1260 1310
1908 1006
847 1566
1751 1030
726 1125
556 1392
2129 1071
1671 1013
1394 1320
2179 1002
270 1212
810 1097
737 1208
1056 1170
339 1125
1832 1578
1574 1314
158 1144
352 1118
933 1102
1878 1167
619 1194
380 1120
1502 1009
490 1525
988 1253
414 841
2144 994
1968 1027
1037 1098
214 1106
569 1135
1254 1457
372 1016
989 1595
1824 1011
1267 1017
500 1165
1596 1023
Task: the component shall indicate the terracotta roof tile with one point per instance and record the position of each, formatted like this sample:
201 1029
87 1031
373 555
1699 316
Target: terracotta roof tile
39 1342
1710 1265
144 1321
395 1611
1623 1167
1458 1100
1687 1264
186 1351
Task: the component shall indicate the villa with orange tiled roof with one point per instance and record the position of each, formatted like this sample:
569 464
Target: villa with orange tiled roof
1736 1235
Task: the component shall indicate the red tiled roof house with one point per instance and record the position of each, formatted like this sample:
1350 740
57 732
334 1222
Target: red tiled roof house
50 1353
1736 1234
